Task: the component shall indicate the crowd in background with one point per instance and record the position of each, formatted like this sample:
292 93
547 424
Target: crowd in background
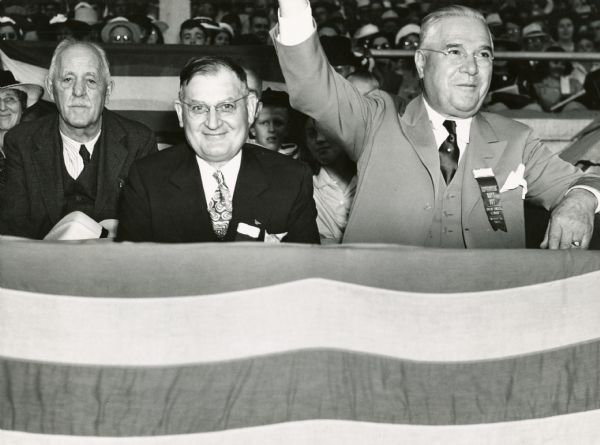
530 25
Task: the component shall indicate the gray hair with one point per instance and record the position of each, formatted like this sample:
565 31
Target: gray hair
449 11
69 43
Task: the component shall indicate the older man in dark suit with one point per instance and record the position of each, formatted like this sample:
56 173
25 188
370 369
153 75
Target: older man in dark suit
76 160
444 174
215 187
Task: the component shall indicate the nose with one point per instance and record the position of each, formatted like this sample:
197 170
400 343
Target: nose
2 105
213 120
469 65
79 87
271 127
320 137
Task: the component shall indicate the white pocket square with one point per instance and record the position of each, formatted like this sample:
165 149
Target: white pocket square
274 237
515 179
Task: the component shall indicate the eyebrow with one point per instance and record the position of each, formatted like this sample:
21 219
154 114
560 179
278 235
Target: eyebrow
458 45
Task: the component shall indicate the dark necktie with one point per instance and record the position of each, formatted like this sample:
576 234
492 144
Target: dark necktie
449 152
220 206
85 155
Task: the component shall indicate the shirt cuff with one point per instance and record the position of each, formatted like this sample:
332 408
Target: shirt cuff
591 190
297 26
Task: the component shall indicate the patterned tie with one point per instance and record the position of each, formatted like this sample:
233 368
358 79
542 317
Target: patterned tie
85 155
449 152
220 207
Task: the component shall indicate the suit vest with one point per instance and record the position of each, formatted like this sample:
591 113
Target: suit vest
447 229
80 193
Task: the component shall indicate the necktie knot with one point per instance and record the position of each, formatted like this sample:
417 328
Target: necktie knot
218 175
85 155
451 127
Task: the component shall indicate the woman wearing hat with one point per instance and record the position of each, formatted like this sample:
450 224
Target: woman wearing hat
15 97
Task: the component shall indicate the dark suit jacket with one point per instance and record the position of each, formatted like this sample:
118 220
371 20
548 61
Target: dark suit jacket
164 199
398 160
34 195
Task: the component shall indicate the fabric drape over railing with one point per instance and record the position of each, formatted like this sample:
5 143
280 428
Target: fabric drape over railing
245 343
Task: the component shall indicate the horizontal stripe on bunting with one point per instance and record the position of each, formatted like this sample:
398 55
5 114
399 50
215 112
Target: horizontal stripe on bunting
152 270
580 429
311 313
300 385
155 60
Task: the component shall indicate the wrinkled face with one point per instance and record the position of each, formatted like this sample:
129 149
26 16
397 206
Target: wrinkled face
222 38
193 36
565 29
324 152
216 136
11 109
120 34
455 87
271 128
79 87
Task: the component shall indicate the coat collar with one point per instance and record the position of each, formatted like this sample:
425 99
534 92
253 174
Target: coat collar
48 160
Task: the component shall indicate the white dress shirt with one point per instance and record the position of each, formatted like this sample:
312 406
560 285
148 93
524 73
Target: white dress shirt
463 129
230 173
73 160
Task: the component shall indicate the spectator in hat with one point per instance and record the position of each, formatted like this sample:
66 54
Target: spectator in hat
84 12
495 24
9 30
272 126
363 35
534 38
121 31
15 98
408 38
224 36
192 32
62 28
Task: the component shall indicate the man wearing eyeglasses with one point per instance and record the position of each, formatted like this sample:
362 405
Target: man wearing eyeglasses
215 187
443 174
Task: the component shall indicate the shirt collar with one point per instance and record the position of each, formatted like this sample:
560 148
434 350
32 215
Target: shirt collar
229 170
463 126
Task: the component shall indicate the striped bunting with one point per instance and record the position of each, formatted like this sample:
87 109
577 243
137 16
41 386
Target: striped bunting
344 358
146 76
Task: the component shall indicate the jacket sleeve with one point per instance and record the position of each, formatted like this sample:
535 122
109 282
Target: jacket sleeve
135 220
302 220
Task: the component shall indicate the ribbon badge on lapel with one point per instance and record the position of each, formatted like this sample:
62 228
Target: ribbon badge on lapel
488 186
516 179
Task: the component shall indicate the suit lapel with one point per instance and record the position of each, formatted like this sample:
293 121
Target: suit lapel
417 128
247 202
186 201
47 160
113 154
484 151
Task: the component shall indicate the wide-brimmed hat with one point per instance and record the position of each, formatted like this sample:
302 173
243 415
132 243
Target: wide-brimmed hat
121 21
8 82
533 30
407 30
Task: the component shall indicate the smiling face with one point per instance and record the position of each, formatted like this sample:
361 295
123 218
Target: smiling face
271 127
455 89
79 89
193 36
216 137
11 109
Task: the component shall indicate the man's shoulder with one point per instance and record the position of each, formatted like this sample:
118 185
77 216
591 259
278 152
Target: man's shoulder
163 159
503 124
130 126
272 160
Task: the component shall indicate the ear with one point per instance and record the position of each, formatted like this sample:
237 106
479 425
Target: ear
420 61
49 89
109 90
252 106
179 111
